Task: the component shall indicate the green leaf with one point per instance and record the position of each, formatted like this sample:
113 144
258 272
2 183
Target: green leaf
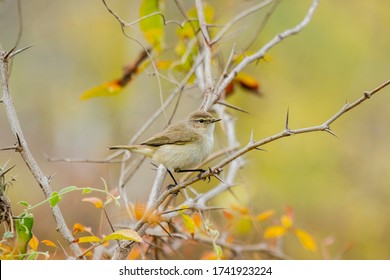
124 234
86 190
24 203
68 189
32 256
54 199
23 226
152 26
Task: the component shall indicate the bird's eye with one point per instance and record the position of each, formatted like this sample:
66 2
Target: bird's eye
201 120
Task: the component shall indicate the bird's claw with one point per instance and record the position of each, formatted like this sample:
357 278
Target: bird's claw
171 186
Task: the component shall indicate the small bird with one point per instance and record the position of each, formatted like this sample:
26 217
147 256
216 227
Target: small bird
180 146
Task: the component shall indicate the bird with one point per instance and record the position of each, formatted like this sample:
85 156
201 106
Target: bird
180 146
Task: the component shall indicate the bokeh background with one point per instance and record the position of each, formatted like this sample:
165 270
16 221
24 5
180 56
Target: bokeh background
339 188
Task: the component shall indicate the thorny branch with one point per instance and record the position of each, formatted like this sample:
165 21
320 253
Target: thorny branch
22 147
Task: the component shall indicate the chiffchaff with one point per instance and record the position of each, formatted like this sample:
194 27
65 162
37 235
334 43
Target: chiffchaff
180 146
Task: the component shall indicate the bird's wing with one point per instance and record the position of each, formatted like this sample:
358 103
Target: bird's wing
176 134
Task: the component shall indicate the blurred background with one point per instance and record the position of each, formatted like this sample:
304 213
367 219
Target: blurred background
339 188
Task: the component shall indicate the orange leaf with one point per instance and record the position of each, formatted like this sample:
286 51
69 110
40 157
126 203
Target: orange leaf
228 215
97 202
49 243
242 210
265 215
229 89
106 89
248 82
306 240
197 219
81 228
86 239
33 243
287 221
274 232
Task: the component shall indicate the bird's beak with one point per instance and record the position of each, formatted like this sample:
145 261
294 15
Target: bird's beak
213 120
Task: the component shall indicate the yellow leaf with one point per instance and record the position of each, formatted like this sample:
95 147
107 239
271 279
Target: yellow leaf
244 225
33 243
274 232
306 240
49 243
265 215
86 239
152 26
124 234
189 223
287 221
106 89
97 202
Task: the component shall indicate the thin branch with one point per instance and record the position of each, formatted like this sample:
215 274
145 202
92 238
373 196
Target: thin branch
237 18
27 156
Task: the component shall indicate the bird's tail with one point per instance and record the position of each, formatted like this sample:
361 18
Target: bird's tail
141 149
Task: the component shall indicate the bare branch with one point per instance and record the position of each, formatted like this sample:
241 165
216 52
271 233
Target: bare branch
27 156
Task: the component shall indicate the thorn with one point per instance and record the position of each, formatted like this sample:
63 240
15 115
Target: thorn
260 149
232 107
287 119
19 147
4 172
331 132
251 138
14 52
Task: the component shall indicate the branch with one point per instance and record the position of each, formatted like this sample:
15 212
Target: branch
286 132
22 148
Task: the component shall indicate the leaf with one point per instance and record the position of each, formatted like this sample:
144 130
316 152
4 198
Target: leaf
248 82
68 189
81 228
274 232
97 202
85 239
107 89
24 203
306 240
152 26
241 209
265 215
244 225
33 243
23 227
49 243
86 190
189 223
197 218
228 215
124 234
54 199
286 221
